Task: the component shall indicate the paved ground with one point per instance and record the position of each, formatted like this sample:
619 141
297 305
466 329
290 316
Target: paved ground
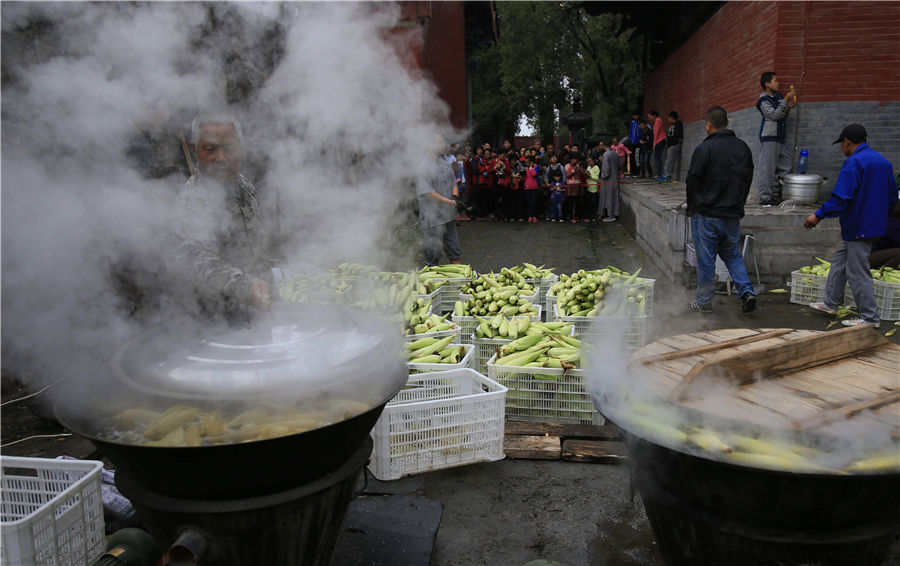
511 512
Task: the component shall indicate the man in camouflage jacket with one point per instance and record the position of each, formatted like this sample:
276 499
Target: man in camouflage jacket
223 249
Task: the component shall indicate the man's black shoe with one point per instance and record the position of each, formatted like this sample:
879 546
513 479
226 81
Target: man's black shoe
700 307
748 303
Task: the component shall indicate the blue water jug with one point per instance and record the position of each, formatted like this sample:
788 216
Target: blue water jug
802 163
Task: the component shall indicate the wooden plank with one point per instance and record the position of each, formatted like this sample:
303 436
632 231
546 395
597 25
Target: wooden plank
846 411
697 350
532 447
596 451
606 431
748 366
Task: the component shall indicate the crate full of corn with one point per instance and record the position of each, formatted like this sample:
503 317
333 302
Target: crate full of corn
808 283
450 278
887 293
544 379
433 354
490 336
608 292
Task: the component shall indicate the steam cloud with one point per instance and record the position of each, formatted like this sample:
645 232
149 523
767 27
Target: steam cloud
94 97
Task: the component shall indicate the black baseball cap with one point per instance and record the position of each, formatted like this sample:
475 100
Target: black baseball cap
854 133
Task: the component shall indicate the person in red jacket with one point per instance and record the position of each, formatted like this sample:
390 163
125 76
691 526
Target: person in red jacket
500 180
659 141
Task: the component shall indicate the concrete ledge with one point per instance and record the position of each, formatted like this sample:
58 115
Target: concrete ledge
651 212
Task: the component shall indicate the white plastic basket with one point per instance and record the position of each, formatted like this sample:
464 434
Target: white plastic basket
887 299
434 297
542 285
485 348
549 307
434 334
545 395
450 290
640 286
533 299
465 362
807 288
468 324
52 512
439 420
633 330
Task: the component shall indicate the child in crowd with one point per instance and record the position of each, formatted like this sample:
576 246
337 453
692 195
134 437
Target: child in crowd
515 194
555 178
531 188
624 154
592 194
574 188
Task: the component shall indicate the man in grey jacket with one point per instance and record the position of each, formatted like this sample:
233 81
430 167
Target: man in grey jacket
437 192
774 156
223 249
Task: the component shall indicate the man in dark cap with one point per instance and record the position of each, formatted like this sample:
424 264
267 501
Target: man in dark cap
863 196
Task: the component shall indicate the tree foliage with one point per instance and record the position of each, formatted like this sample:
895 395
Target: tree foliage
547 54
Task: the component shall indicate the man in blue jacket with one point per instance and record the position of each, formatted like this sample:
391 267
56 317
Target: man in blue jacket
634 142
717 186
863 196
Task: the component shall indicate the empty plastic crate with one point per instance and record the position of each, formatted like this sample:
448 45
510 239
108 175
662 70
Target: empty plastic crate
52 512
439 420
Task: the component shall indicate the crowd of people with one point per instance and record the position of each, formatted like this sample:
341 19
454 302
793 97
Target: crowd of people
570 184
539 181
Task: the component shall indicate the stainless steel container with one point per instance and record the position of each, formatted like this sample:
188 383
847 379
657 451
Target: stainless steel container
802 188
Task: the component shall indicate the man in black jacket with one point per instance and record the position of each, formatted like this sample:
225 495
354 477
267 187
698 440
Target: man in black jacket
674 137
718 183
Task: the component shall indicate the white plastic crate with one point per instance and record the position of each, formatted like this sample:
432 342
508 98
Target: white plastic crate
434 297
545 395
468 324
52 512
549 307
454 329
632 329
465 362
542 286
641 285
439 420
887 299
450 290
533 299
807 288
484 349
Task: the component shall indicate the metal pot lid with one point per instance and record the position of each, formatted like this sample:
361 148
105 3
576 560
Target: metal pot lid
803 179
296 350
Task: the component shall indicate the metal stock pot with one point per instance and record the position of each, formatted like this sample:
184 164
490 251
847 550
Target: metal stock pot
305 355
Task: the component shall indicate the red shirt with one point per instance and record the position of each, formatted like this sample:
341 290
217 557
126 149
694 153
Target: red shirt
659 131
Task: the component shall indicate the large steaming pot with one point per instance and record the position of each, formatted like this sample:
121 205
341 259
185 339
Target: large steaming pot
707 509
302 351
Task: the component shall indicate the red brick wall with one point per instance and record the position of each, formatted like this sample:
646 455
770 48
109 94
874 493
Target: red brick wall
444 56
850 50
852 53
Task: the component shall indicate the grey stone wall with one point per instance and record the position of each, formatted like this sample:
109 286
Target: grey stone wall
814 126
